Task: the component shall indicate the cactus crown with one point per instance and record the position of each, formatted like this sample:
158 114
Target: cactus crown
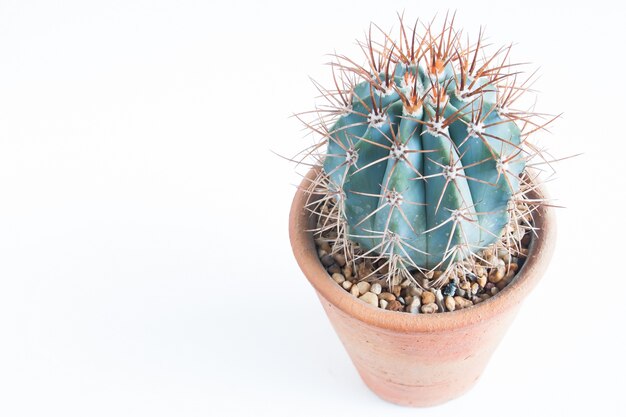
424 152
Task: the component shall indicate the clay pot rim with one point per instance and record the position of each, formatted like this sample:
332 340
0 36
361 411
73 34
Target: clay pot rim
540 252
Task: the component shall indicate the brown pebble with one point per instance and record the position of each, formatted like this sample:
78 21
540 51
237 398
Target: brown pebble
396 289
347 272
462 302
450 303
429 308
387 296
482 281
480 270
496 275
415 291
475 288
325 246
405 283
428 297
338 278
395 305
370 298
340 259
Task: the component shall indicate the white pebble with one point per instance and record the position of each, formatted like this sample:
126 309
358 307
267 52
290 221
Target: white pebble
338 278
370 298
414 307
363 287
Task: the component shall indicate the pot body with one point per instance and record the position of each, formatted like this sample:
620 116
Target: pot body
423 359
418 368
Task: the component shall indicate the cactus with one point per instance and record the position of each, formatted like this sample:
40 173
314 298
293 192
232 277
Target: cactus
425 156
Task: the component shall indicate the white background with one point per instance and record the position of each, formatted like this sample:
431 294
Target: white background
145 268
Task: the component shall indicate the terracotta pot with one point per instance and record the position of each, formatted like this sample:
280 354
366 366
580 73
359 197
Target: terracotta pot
424 359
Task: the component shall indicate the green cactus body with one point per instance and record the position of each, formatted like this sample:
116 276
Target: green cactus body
429 182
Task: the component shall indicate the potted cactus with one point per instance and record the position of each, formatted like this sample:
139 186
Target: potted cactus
421 225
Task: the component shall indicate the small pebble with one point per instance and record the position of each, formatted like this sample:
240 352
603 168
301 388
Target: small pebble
462 302
387 296
383 304
395 305
354 290
396 289
327 260
475 288
450 303
429 308
338 278
482 281
401 300
449 289
376 288
363 287
414 307
370 298
496 275
428 297
340 259
346 285
480 270
415 291
405 283
334 269
325 246
347 272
